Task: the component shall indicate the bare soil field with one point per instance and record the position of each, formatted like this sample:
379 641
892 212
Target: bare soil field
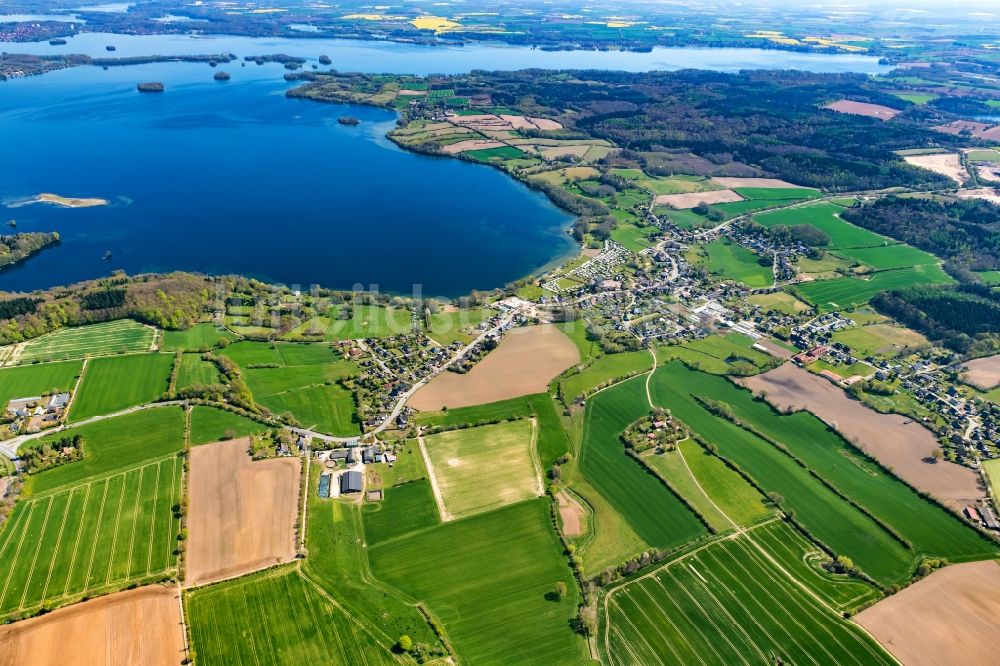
525 362
896 441
977 130
554 152
775 349
983 373
985 193
950 617
471 144
242 514
692 199
864 109
141 626
571 514
946 164
754 182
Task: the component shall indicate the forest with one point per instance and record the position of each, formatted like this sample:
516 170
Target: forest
964 318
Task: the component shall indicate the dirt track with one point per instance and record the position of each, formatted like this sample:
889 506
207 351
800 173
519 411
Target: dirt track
896 441
524 363
243 512
141 626
983 373
950 617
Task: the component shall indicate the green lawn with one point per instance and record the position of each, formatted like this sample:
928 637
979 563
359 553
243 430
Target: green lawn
847 291
728 604
194 371
91 537
113 337
278 617
824 216
115 443
200 337
649 507
212 425
448 327
114 383
492 614
31 380
370 321
727 260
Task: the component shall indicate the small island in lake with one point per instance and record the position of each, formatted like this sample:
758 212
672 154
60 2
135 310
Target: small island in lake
348 120
57 200
57 42
325 60
18 247
151 87
111 47
222 76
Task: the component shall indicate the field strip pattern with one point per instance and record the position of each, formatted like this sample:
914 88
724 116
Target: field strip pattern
727 604
90 537
77 342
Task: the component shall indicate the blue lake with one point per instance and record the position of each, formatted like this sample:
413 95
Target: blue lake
236 178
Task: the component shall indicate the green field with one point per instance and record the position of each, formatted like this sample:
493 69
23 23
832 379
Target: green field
605 368
404 508
847 291
727 604
466 464
211 425
447 327
300 379
788 194
633 237
363 321
846 529
90 537
114 383
991 278
992 470
879 339
200 337
113 337
648 506
824 216
778 301
987 155
113 444
718 354
727 260
194 371
31 380
889 256
278 617
492 614
917 98
577 332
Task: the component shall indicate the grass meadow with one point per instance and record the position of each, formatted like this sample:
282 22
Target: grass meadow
193 371
113 337
90 537
114 383
717 354
405 508
825 217
198 338
846 291
727 260
485 467
212 425
610 366
492 614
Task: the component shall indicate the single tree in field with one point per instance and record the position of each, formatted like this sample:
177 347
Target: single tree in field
559 591
404 644
937 454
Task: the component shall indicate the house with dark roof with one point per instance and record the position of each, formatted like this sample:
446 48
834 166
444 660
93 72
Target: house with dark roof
351 482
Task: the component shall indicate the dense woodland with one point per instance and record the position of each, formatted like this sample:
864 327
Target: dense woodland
966 231
964 318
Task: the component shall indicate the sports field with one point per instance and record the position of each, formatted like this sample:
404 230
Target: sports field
198 338
31 380
825 217
113 337
93 536
114 383
485 578
843 292
730 261
483 468
725 604
278 617
648 506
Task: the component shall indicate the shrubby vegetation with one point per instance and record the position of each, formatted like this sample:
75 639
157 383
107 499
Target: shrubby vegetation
47 455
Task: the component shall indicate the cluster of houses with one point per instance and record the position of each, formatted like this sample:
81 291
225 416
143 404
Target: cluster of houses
598 269
345 467
37 412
